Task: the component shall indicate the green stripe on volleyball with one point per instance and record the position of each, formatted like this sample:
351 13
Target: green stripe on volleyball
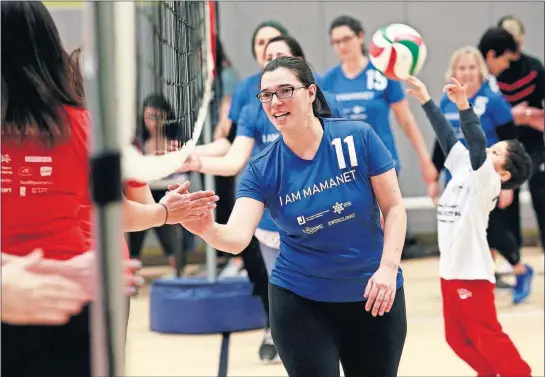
397 51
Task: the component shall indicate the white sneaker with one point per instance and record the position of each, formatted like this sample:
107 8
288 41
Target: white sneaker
505 268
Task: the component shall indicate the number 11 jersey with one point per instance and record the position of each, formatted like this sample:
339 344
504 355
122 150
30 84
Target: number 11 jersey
328 217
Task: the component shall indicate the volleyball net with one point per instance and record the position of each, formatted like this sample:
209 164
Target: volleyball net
158 53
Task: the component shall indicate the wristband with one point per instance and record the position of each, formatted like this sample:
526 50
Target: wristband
166 213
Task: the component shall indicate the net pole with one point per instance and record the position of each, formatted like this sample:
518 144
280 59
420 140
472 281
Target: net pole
211 262
110 26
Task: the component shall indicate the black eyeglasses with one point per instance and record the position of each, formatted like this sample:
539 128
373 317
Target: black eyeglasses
283 93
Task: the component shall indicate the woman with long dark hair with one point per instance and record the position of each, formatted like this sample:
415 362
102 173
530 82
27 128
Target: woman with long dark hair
46 201
336 289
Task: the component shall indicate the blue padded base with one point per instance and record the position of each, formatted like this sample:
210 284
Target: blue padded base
196 306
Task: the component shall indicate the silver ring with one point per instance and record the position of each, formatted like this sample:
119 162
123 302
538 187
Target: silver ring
528 113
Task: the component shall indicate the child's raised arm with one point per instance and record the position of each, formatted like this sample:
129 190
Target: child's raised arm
443 129
471 127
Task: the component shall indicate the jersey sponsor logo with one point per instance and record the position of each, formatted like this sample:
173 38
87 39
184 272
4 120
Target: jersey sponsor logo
22 191
341 219
317 188
45 171
313 229
6 170
6 190
5 180
38 159
6 159
25 171
354 96
339 207
302 220
36 183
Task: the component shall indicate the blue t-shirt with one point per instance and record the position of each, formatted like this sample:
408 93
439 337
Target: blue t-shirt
246 91
491 108
328 217
367 97
254 123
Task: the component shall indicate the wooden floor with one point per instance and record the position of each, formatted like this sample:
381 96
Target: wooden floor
425 354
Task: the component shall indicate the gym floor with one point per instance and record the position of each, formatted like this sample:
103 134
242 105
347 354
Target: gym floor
425 354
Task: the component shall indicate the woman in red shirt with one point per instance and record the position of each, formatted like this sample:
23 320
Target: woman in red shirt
46 203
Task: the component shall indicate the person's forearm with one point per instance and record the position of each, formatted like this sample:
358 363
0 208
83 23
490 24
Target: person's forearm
474 135
442 127
438 157
138 217
395 229
221 166
6 258
214 149
225 238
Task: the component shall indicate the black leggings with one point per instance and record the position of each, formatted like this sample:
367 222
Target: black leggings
49 351
501 237
312 337
536 185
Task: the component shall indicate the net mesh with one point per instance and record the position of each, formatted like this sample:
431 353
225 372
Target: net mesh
174 72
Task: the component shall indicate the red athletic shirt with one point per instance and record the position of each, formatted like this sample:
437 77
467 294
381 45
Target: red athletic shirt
45 194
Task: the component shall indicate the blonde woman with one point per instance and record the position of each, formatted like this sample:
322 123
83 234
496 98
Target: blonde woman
469 68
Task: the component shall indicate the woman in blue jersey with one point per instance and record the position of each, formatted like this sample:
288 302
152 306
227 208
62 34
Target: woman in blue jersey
336 290
469 68
365 94
254 132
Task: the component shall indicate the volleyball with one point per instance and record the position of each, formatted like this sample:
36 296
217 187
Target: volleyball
397 51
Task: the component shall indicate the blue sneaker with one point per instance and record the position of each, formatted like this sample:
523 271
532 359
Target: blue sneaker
523 286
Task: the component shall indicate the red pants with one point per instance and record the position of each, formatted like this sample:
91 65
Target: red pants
473 332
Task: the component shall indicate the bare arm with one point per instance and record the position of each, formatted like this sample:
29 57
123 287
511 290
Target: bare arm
234 236
214 149
388 194
138 216
233 162
140 194
407 122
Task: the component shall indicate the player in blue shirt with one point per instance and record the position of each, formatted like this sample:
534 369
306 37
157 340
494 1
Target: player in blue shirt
254 133
468 67
245 91
365 94
323 182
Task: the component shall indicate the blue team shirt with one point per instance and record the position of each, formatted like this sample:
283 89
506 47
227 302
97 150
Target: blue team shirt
328 217
491 108
255 124
367 97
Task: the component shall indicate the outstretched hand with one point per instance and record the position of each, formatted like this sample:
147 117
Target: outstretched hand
418 90
184 206
456 92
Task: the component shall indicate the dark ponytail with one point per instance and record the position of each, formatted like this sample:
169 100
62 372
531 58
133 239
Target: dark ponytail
303 72
320 107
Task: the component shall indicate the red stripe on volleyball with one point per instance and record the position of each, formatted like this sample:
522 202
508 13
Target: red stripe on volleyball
375 50
409 37
389 71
